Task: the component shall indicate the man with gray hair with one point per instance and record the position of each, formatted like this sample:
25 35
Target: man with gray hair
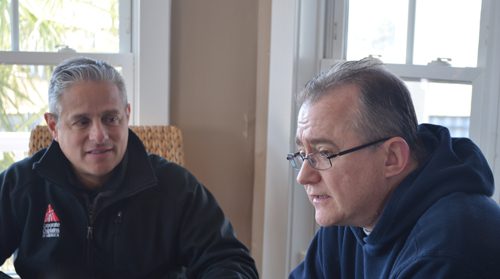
94 204
394 199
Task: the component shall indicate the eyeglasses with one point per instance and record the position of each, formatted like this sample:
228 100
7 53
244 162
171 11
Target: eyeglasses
323 161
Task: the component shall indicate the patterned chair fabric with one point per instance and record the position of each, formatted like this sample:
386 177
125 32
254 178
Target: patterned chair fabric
165 141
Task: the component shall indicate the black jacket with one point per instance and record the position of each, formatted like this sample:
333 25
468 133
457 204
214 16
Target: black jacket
152 220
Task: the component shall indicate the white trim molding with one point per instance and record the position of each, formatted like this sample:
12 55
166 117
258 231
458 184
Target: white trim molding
151 24
283 60
485 117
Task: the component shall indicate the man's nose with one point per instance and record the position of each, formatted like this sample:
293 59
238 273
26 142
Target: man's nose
307 174
98 132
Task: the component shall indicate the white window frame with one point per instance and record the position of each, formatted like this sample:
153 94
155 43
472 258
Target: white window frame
484 78
288 217
293 60
151 50
144 57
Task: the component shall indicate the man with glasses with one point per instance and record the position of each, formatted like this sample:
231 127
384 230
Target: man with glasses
394 199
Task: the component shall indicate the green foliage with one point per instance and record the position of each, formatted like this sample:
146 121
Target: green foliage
4 25
18 90
42 27
19 84
6 161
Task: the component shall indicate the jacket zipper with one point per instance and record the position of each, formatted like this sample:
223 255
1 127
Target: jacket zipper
91 207
90 236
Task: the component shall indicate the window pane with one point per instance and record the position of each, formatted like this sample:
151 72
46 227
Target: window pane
377 28
447 29
23 96
13 147
23 99
83 25
5 25
446 104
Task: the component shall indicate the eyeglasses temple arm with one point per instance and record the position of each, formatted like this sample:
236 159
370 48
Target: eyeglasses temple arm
356 148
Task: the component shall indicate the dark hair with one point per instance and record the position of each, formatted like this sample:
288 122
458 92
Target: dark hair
385 109
81 69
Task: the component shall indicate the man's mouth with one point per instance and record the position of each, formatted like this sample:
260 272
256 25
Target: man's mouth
99 151
319 198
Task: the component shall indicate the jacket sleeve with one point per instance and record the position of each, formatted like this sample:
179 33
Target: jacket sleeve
208 245
9 233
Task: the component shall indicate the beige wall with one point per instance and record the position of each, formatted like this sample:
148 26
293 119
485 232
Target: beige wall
213 96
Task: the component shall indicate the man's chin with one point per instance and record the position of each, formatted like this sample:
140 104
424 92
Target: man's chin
99 173
324 221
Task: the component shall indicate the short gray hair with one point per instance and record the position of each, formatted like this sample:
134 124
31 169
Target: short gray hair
81 69
386 108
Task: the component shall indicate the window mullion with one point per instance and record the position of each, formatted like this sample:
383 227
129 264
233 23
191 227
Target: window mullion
438 73
14 19
125 22
410 39
54 58
339 32
328 28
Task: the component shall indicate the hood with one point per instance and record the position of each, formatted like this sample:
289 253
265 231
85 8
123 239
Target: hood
452 165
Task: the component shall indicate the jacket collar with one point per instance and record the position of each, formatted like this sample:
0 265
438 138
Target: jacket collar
130 177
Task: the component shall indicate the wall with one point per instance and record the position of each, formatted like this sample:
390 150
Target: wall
213 89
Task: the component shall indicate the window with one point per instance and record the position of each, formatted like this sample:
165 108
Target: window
46 26
443 49
414 32
458 125
432 45
37 35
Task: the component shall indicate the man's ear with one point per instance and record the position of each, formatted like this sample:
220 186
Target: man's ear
398 156
51 121
127 112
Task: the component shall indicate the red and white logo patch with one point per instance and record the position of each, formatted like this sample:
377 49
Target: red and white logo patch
51 223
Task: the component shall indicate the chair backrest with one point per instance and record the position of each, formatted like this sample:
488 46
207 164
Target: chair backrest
165 141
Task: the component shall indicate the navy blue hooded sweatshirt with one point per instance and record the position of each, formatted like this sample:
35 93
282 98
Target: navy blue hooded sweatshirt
440 222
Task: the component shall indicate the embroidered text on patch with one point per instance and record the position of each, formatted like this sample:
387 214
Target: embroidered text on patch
51 223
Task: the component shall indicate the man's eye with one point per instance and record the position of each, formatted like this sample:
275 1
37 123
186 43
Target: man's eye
81 122
325 153
112 119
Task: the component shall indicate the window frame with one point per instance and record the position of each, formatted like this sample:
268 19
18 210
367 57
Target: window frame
484 119
144 58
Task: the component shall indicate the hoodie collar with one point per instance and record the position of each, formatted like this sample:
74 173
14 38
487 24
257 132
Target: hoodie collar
452 165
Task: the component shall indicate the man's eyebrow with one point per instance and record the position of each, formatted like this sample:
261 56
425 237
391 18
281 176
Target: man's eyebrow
78 115
111 111
83 115
316 141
